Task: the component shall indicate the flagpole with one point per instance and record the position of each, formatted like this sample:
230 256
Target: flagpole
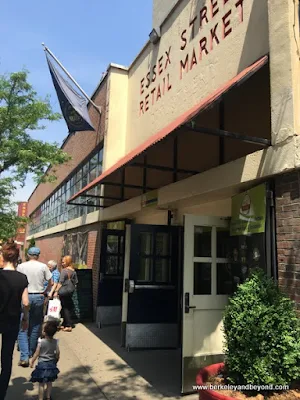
72 79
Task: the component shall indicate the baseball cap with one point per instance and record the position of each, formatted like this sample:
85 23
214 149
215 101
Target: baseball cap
34 251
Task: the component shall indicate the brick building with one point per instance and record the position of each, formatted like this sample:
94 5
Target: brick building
191 179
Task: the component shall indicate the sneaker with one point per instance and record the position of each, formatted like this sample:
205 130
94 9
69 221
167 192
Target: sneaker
23 363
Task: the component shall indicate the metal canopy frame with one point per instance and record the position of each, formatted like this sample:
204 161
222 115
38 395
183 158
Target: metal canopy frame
143 187
226 134
75 203
190 125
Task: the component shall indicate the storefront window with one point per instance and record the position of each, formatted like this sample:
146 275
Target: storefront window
53 211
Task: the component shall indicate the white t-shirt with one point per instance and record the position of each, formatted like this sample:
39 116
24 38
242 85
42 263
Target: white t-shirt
37 273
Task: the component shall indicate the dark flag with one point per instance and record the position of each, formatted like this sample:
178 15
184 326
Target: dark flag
73 106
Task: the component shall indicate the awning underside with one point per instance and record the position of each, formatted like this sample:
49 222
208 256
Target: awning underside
221 129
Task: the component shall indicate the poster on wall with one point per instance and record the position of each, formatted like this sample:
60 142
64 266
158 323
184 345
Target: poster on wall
248 212
247 233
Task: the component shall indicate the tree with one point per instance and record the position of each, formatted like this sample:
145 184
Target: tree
21 111
30 244
8 218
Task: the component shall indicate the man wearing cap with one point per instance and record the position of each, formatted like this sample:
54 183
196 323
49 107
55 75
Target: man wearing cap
37 273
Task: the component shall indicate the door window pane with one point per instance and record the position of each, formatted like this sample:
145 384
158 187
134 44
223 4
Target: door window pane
224 279
112 244
146 243
145 272
202 241
163 270
121 244
111 265
162 244
121 265
223 245
202 278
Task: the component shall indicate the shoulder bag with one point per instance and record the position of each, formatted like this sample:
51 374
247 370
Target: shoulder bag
68 287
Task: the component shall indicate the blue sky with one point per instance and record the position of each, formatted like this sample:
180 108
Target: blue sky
85 36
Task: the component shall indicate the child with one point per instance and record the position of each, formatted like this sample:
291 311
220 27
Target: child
47 353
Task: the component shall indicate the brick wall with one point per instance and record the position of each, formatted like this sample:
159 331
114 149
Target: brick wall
288 233
94 249
79 146
51 249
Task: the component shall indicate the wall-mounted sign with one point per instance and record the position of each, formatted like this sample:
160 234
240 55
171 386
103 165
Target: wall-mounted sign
248 212
150 199
22 209
200 34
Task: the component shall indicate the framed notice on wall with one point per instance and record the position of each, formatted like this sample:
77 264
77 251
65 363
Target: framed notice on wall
248 212
247 233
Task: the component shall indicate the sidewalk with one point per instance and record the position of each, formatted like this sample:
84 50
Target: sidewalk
90 370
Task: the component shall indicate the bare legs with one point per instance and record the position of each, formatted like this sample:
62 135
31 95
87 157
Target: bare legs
49 390
42 390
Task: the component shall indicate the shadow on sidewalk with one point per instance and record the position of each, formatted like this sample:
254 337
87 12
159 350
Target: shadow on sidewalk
160 368
75 384
78 385
18 388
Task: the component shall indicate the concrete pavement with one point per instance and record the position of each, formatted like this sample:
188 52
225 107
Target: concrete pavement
94 366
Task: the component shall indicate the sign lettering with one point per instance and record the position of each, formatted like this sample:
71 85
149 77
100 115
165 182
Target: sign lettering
215 22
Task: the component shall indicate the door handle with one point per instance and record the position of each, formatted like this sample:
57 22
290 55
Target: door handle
187 306
129 286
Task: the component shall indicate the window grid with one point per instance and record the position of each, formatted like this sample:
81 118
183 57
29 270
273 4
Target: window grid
55 211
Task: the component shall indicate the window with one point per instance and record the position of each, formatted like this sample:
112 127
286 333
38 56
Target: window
212 275
55 211
114 255
155 258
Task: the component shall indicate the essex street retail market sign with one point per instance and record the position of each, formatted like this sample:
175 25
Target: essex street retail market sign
214 23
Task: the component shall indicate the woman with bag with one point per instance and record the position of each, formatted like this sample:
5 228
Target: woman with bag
65 289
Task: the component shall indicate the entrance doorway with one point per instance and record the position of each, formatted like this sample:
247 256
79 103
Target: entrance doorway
109 310
151 289
206 283
174 286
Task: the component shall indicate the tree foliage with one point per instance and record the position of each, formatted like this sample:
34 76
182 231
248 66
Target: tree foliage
262 334
21 111
30 244
8 218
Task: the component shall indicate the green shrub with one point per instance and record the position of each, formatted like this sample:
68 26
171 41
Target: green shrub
262 334
30 244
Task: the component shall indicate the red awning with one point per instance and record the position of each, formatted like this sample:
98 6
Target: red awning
181 120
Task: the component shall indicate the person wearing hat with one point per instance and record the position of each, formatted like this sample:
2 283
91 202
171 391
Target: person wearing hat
37 273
